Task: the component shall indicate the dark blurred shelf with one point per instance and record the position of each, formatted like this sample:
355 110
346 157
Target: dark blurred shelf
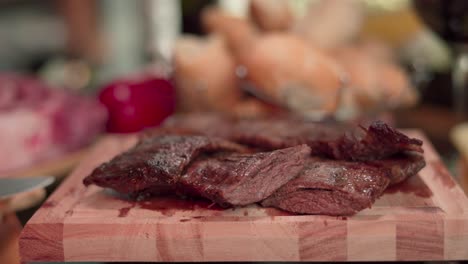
436 121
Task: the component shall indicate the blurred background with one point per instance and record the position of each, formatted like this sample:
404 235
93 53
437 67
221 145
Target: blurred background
73 70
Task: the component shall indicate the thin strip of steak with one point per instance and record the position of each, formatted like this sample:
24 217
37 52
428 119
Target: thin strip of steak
241 179
328 139
341 187
155 163
331 140
201 167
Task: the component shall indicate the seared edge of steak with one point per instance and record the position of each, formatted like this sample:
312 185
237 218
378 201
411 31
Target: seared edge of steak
377 141
332 140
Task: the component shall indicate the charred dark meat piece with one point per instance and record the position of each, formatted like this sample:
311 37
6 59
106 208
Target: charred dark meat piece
155 163
242 179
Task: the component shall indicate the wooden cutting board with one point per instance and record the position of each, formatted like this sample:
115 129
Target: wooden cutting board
423 219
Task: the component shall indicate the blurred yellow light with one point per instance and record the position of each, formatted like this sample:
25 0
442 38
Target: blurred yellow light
395 27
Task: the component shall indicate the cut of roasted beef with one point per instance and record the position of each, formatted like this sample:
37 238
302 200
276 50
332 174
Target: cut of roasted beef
300 167
333 140
330 187
342 187
201 167
155 163
242 179
337 141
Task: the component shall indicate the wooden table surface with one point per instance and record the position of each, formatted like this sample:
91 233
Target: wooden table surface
425 218
10 229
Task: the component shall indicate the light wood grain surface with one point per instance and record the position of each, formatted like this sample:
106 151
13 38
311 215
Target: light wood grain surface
425 219
459 137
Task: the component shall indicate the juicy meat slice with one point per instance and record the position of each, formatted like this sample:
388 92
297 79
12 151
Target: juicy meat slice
330 187
155 163
337 141
343 187
202 167
400 167
242 179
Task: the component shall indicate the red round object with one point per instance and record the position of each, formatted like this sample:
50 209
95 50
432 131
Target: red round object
135 104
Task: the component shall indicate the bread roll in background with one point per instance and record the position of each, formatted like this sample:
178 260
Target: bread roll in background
285 68
238 33
204 73
377 49
397 89
313 66
271 15
331 23
363 77
394 81
375 82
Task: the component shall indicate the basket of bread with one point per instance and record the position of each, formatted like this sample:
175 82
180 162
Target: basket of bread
273 61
